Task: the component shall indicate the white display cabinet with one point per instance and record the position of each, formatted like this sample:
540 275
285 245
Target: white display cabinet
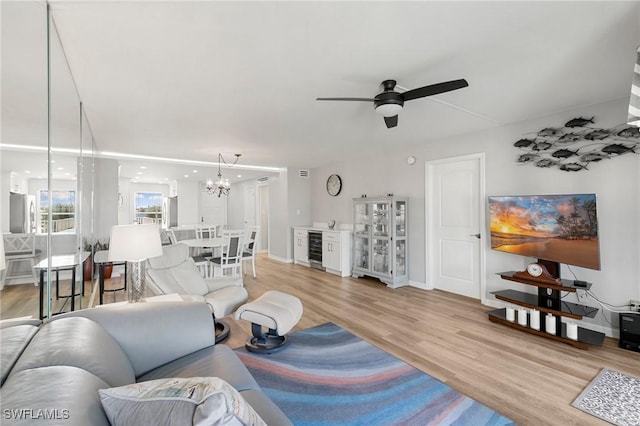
380 246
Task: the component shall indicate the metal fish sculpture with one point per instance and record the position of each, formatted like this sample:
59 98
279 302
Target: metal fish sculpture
592 157
541 146
579 122
548 132
546 162
523 143
597 135
629 132
573 167
525 158
563 153
618 149
570 137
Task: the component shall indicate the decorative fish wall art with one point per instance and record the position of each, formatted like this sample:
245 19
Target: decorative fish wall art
577 144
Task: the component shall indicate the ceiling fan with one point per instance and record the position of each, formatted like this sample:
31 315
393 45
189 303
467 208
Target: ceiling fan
389 103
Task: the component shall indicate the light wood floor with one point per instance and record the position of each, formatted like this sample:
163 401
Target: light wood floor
529 379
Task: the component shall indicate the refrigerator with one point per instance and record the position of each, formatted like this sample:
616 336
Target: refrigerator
169 212
22 213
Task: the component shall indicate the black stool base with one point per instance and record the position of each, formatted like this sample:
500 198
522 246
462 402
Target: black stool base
222 330
265 343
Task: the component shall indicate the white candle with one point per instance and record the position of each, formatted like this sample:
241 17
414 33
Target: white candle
550 324
511 314
572 330
534 319
522 316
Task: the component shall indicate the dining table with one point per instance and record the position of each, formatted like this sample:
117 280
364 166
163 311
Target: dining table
204 242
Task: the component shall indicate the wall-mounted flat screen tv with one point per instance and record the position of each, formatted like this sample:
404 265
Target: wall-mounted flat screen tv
557 228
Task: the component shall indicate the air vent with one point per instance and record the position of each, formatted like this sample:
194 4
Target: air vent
263 179
303 174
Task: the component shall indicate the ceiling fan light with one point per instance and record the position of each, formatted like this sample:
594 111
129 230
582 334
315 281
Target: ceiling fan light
388 110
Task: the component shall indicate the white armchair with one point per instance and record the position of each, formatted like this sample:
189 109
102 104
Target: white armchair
176 272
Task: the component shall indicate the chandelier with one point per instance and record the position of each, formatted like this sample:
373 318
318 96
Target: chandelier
221 186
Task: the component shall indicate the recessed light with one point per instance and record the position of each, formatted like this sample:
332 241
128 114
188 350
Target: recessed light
239 176
60 168
143 167
186 176
195 171
27 172
139 173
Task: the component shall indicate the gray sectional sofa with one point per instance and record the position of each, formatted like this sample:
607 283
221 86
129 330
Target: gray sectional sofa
55 370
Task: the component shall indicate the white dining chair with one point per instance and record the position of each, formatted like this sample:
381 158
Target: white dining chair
231 257
248 251
20 248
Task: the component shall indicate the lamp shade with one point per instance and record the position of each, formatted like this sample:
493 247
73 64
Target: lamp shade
134 243
2 262
389 110
634 99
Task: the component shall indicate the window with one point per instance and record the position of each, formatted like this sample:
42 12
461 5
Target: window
63 211
148 207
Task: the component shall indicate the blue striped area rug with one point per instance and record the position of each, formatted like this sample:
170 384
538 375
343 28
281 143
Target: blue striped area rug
328 376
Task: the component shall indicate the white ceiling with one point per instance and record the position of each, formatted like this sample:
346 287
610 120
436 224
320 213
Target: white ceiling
190 79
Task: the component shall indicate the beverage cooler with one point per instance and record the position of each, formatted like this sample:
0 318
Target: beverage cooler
380 246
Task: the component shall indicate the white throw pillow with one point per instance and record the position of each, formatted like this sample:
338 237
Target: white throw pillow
178 401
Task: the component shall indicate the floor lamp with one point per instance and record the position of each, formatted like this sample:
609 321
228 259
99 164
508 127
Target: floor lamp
135 244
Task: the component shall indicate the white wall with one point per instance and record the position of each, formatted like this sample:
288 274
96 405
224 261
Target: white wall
188 201
105 197
616 182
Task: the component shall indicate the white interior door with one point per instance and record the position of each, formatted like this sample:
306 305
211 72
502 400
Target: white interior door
455 188
249 206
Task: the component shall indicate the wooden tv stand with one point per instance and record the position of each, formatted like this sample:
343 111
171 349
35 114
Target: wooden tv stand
548 300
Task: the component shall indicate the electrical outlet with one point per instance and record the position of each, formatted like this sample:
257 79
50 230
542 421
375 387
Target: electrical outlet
635 305
582 295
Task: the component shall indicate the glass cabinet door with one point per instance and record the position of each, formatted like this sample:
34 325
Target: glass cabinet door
362 231
401 221
401 257
361 220
361 252
381 255
381 219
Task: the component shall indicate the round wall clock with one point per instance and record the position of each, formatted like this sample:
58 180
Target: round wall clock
334 185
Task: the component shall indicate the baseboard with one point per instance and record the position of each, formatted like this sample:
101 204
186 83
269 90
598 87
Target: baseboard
280 259
418 284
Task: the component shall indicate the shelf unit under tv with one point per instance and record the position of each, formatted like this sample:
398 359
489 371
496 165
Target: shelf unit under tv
548 300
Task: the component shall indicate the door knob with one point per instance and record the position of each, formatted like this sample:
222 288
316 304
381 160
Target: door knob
475 235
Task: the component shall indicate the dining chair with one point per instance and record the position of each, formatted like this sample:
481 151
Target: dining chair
248 251
206 231
231 257
20 248
168 237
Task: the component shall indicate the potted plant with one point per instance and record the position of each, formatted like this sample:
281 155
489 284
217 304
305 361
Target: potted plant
92 248
108 267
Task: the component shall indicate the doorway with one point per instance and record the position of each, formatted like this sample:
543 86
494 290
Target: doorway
262 207
454 190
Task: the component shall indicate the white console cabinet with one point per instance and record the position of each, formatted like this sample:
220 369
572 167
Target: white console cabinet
301 246
336 249
336 252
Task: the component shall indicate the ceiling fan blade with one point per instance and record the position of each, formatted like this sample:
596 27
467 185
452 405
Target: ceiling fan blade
434 89
345 99
391 121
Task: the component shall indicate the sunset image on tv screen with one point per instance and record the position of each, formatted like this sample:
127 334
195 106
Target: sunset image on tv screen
560 228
